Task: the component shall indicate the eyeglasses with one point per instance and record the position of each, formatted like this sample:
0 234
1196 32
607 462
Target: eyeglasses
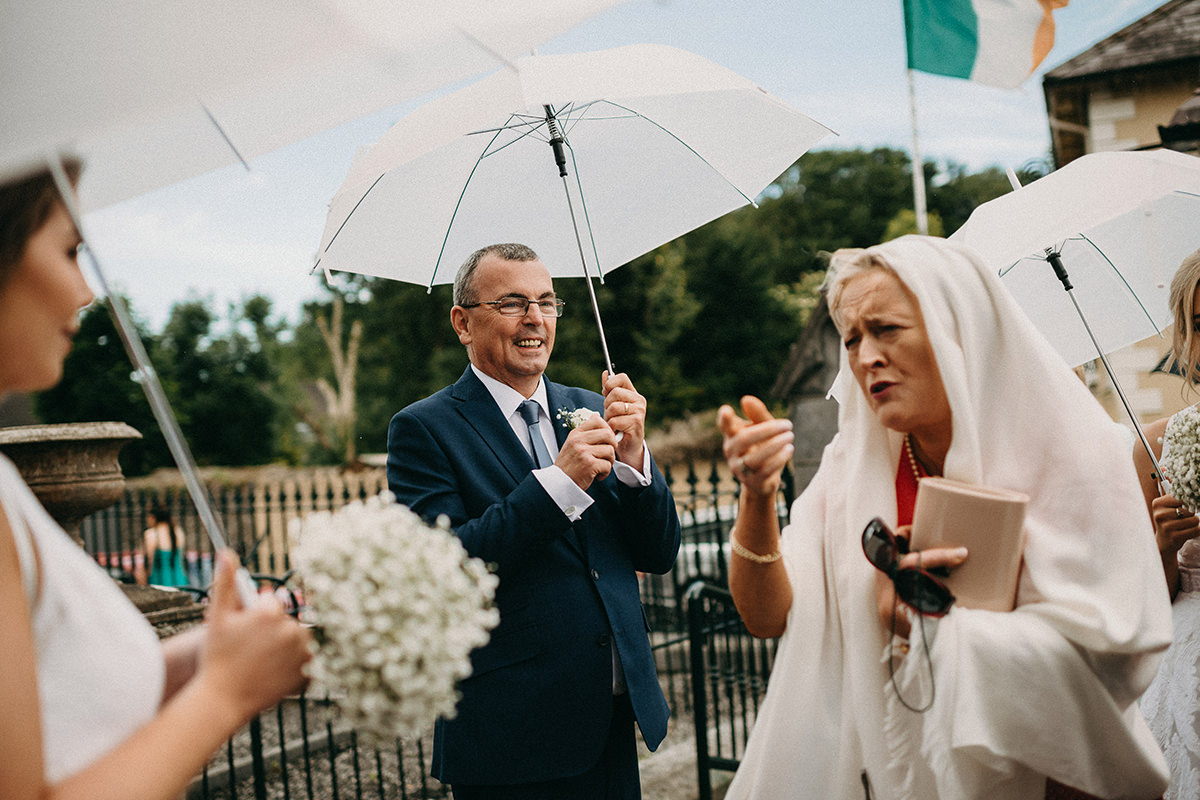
519 306
916 587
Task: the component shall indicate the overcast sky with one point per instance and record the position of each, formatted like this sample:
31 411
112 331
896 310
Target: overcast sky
232 233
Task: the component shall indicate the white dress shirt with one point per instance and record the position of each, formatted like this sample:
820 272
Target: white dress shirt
565 492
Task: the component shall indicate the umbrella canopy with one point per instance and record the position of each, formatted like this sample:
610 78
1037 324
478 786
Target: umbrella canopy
151 93
1121 222
656 141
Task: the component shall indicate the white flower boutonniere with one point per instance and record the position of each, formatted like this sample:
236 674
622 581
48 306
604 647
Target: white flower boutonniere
399 607
1181 461
574 418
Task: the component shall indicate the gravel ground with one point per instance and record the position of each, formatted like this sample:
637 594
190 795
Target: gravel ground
360 771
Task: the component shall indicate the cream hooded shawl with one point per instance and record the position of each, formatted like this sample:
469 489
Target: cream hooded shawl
1046 690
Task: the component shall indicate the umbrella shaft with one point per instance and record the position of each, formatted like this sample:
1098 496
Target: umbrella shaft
1116 384
562 171
556 142
151 385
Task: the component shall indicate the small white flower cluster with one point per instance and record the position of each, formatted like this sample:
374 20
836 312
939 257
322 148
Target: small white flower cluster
575 418
399 606
1181 464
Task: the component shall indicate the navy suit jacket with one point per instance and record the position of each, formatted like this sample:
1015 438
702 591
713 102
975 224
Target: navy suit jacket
539 700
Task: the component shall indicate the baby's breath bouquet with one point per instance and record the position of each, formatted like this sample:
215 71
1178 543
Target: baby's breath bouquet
399 606
1181 456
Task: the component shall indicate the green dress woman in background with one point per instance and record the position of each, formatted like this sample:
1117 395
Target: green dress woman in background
164 549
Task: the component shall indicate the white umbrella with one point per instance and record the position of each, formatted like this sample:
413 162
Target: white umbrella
590 157
151 92
143 89
1110 229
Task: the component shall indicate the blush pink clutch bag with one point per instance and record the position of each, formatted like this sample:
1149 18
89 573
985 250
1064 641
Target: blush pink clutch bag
989 523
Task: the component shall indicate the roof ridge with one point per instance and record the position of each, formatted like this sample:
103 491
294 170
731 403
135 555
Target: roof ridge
1116 52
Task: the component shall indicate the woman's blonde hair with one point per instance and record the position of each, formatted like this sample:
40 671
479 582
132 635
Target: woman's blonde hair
845 264
1185 343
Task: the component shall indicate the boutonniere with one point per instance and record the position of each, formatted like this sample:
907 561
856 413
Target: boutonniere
574 419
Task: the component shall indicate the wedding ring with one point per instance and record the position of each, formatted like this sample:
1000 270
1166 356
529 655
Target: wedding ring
627 408
1179 512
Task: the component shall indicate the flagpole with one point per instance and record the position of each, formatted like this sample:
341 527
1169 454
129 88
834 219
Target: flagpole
918 166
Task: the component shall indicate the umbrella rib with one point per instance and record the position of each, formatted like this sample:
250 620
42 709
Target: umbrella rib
579 113
689 148
530 123
1012 266
1124 283
488 151
458 204
333 238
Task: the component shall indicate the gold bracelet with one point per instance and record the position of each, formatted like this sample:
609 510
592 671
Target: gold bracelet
750 555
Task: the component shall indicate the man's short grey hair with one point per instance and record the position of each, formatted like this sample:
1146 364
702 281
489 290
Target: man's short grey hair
464 281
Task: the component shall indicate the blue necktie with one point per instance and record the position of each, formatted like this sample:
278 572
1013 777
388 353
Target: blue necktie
529 412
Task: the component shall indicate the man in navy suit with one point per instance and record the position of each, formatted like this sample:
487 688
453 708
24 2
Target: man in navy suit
567 519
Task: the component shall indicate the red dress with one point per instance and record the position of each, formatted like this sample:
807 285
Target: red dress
906 501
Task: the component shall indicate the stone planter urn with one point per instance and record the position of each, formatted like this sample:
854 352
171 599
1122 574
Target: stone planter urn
73 470
71 467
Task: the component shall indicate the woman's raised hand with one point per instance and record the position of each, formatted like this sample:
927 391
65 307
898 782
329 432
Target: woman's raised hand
253 656
1174 523
757 447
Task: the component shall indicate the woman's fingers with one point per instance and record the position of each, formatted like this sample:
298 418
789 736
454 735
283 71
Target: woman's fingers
223 595
755 410
728 421
949 557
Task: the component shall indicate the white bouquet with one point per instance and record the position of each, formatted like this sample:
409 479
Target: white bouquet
399 606
1181 456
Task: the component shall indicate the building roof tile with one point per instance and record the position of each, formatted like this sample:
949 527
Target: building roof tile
1170 32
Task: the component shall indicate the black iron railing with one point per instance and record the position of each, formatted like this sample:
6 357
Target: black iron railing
300 749
729 677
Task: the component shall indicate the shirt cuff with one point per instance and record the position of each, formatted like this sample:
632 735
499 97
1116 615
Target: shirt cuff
565 493
630 476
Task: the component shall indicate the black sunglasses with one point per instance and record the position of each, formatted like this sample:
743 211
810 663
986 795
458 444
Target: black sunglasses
916 587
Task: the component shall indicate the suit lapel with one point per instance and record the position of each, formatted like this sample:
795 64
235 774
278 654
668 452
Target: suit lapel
480 411
556 399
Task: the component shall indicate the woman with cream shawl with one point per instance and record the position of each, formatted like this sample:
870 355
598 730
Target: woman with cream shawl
941 367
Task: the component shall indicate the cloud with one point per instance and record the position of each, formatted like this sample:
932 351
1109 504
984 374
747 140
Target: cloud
160 253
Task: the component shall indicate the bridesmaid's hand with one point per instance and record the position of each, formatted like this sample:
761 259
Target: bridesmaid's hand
1174 523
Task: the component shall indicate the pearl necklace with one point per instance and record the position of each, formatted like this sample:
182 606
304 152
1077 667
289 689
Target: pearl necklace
912 459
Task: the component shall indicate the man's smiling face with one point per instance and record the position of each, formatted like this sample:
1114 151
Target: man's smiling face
513 350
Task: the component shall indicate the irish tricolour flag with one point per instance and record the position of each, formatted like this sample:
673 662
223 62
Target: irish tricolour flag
997 42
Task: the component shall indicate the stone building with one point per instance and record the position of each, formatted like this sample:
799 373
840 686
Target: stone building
804 381
1134 90
1116 94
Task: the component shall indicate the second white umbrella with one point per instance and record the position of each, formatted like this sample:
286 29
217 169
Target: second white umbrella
592 159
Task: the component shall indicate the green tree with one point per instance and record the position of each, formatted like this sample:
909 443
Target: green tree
222 387
98 386
695 322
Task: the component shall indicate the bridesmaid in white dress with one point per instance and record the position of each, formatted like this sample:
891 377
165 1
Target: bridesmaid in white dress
91 705
1172 703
